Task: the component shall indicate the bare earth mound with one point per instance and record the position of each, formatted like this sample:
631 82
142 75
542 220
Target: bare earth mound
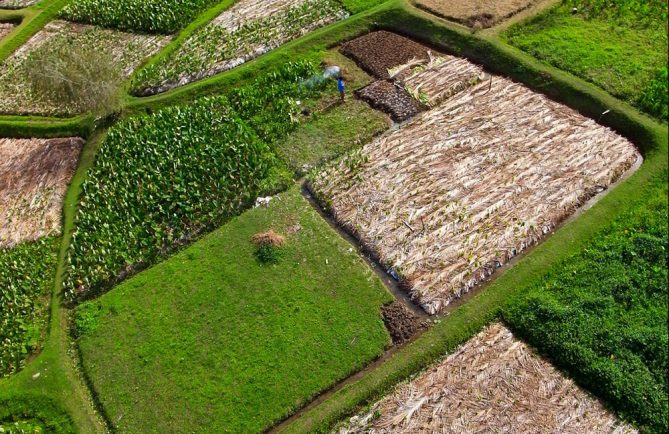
377 52
492 384
462 188
386 96
34 176
475 13
401 323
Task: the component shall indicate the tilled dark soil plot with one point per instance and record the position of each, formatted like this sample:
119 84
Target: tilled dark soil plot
386 96
402 324
377 52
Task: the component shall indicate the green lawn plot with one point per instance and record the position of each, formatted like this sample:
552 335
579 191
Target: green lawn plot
620 46
333 127
213 340
602 314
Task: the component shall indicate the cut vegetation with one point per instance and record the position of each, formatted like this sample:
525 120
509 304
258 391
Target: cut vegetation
5 29
493 383
34 176
238 344
464 187
247 30
476 14
16 92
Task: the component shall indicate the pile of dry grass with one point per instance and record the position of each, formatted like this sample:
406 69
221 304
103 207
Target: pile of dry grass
269 238
437 79
462 188
34 176
475 13
493 383
127 49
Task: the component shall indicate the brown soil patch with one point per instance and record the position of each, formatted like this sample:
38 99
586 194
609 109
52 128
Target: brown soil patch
34 176
386 96
401 323
377 52
492 384
464 187
476 14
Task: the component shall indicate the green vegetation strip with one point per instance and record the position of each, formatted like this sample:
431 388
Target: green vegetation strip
149 16
239 344
618 45
26 276
33 414
602 314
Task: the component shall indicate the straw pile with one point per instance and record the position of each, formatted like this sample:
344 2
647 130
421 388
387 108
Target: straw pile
437 79
475 13
34 175
128 49
466 186
5 28
492 384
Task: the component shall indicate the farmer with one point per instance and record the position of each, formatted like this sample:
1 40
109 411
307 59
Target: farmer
341 86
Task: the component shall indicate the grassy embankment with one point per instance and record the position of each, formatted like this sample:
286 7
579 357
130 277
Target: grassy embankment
620 46
517 280
238 344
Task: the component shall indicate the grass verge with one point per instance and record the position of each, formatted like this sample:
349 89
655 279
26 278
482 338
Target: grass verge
237 343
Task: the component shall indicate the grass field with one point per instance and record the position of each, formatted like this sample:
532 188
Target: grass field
237 344
615 48
602 314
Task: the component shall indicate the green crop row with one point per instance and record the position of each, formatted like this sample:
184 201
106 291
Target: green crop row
150 16
214 49
161 179
602 314
26 277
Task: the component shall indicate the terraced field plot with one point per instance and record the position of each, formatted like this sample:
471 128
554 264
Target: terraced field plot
464 187
34 176
475 13
16 96
493 383
247 30
236 343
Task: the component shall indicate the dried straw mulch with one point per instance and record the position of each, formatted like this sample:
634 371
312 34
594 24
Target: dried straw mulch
34 176
475 13
492 384
244 11
5 28
462 188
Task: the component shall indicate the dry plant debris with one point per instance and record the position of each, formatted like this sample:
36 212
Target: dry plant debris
34 176
437 79
269 238
16 4
377 52
127 48
475 13
493 383
5 28
390 98
461 189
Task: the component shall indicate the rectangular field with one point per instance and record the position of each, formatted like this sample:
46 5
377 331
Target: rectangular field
247 30
493 383
16 96
454 194
213 340
34 176
475 13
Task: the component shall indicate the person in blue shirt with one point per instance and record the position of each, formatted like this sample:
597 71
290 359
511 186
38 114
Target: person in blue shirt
341 86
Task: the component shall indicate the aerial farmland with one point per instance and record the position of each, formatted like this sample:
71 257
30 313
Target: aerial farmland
343 216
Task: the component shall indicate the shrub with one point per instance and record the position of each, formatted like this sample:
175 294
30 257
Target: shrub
268 246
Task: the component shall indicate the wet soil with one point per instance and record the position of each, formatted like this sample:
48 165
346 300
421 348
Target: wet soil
386 96
379 51
402 324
